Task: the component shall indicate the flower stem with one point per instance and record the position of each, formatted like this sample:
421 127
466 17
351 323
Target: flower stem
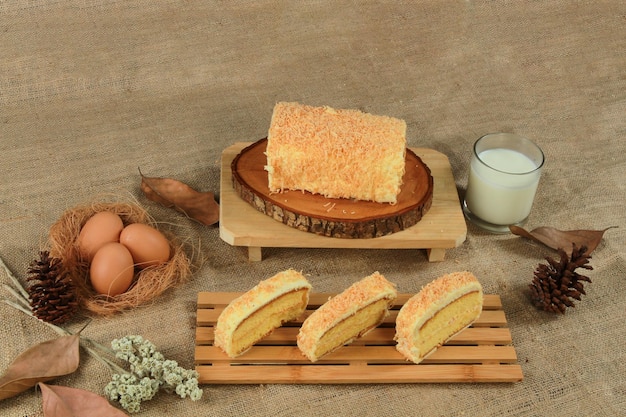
106 361
15 281
17 295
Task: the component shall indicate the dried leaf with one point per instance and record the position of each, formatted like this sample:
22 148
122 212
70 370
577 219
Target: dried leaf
40 363
556 239
171 193
59 401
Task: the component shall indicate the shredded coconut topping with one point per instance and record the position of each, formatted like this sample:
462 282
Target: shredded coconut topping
336 153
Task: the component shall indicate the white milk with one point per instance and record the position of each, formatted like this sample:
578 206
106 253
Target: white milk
501 190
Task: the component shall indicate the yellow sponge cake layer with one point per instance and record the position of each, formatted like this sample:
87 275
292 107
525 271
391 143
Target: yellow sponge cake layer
441 309
334 152
347 316
254 314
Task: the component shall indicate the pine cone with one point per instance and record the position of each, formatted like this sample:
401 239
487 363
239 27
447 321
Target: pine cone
52 296
557 284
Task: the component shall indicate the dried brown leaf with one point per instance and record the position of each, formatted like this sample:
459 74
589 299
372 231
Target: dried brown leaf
40 363
171 193
59 401
555 239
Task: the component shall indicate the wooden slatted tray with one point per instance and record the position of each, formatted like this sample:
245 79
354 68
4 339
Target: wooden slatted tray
480 353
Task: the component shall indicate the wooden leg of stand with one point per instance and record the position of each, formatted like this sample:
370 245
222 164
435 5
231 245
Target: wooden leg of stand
255 254
436 254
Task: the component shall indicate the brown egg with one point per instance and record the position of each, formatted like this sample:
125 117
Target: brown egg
147 245
101 228
112 269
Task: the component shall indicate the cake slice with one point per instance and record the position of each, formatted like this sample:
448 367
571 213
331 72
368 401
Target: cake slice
440 310
335 152
254 314
347 316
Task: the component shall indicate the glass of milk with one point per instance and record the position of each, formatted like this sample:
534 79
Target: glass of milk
503 178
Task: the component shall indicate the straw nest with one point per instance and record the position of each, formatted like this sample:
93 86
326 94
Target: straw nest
148 283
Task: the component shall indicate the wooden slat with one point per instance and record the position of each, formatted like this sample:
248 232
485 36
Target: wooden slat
377 337
362 354
491 318
221 299
339 374
480 353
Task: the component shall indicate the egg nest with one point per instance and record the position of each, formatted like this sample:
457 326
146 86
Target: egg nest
148 283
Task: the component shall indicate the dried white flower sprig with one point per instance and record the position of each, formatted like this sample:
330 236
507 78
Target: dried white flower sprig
149 371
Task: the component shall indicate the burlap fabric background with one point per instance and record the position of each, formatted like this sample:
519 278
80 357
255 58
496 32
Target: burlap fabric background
91 90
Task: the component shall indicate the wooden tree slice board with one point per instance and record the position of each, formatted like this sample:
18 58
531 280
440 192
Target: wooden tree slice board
442 227
333 217
480 353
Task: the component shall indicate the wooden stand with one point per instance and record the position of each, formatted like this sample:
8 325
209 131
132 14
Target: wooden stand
480 353
441 227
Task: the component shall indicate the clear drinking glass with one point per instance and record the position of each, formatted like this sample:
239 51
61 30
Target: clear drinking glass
503 178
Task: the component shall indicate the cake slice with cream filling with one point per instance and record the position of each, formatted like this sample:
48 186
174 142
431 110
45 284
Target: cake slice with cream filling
256 313
440 310
346 316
